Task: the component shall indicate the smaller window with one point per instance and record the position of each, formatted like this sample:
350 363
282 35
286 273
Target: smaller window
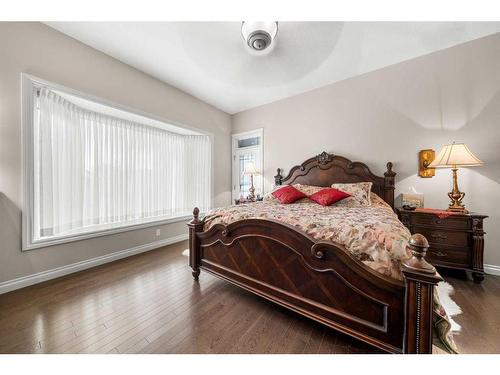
244 180
248 142
247 147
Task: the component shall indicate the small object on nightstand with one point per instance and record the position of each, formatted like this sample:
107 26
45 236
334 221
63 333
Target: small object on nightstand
409 208
410 198
247 200
456 239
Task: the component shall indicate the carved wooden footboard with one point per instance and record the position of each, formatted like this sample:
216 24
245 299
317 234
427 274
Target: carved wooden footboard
321 280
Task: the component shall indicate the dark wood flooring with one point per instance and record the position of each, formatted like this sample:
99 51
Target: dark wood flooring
149 304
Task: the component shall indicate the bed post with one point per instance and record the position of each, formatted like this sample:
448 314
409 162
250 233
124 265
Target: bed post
420 279
278 178
195 225
389 176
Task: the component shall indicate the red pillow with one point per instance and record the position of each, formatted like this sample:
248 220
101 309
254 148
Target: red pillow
288 194
328 196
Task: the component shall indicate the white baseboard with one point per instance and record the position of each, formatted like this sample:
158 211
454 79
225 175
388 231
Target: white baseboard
492 269
24 281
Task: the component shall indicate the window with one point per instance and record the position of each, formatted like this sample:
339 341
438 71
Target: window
247 147
93 168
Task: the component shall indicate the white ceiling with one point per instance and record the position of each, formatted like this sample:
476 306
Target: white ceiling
210 61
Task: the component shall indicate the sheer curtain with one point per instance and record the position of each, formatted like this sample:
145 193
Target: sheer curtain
94 171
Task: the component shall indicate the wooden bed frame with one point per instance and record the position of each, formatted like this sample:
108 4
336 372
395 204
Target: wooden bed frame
319 279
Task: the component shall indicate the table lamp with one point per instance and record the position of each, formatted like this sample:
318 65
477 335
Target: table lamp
453 156
251 171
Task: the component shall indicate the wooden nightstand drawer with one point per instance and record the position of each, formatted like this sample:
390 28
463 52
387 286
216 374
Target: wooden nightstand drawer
453 238
448 256
433 220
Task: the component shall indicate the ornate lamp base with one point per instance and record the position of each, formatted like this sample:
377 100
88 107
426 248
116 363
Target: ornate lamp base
456 196
460 208
251 196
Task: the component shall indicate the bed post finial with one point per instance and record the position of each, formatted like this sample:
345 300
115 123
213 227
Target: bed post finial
278 178
418 246
196 213
389 171
195 226
420 278
389 177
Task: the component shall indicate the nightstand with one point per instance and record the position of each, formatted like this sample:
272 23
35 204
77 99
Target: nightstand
456 241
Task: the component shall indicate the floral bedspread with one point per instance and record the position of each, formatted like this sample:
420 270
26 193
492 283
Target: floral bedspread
373 234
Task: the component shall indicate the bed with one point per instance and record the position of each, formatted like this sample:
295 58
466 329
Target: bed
319 278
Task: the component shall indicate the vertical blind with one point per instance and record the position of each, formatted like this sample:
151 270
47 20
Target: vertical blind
93 171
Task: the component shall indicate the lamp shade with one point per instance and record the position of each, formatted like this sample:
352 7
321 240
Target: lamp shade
455 155
250 169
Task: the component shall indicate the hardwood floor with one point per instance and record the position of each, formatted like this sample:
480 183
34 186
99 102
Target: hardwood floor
149 304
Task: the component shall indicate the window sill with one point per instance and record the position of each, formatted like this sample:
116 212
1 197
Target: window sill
106 232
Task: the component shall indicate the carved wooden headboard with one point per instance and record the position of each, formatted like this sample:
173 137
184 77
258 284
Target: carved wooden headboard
326 169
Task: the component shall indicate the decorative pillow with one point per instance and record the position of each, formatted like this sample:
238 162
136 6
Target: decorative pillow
288 194
328 196
359 191
306 189
269 197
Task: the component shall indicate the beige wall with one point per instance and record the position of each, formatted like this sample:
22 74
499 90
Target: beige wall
391 114
43 52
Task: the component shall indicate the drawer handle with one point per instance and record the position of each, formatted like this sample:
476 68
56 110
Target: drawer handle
440 254
439 236
439 221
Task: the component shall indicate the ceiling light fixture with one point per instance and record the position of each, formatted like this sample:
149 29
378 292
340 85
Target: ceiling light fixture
259 35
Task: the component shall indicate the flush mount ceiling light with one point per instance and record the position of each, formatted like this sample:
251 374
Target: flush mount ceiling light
259 35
